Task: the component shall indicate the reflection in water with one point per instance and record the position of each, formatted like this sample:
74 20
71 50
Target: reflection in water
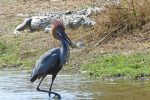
16 86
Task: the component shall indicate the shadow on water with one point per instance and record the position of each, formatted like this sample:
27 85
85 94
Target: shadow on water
16 86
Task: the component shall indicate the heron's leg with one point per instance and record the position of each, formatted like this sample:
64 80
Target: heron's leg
38 89
56 94
53 78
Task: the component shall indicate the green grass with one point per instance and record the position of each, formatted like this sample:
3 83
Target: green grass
21 51
116 65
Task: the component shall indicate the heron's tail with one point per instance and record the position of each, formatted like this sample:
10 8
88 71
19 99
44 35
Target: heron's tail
33 78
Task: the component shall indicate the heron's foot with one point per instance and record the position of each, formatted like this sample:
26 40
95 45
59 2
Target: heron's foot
38 89
56 95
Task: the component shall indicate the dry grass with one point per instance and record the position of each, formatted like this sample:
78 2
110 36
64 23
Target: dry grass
11 7
133 20
129 13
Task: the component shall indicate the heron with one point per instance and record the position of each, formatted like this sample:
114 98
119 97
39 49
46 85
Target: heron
53 60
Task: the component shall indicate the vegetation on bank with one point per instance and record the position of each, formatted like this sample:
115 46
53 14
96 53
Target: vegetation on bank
135 65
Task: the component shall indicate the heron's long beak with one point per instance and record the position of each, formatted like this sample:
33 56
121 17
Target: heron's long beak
63 35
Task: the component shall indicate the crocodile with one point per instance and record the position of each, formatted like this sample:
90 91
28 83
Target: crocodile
71 19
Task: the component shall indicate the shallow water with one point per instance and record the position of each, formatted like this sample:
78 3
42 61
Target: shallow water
16 86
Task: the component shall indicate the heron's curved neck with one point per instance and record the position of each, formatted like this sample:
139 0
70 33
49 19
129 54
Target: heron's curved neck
64 52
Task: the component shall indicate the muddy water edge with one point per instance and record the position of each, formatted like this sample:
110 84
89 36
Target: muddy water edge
15 85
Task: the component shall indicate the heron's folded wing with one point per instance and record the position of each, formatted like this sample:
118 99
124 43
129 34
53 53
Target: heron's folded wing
46 61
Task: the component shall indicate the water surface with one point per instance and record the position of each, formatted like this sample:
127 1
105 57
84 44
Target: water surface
15 85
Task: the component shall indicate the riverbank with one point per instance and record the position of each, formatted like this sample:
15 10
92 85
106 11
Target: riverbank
117 46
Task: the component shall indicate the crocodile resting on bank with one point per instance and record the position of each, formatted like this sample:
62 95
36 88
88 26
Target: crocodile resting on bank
71 19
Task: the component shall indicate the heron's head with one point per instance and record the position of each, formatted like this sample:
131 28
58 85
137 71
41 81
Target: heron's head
58 31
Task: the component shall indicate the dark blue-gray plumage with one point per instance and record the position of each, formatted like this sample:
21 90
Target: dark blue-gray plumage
53 60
